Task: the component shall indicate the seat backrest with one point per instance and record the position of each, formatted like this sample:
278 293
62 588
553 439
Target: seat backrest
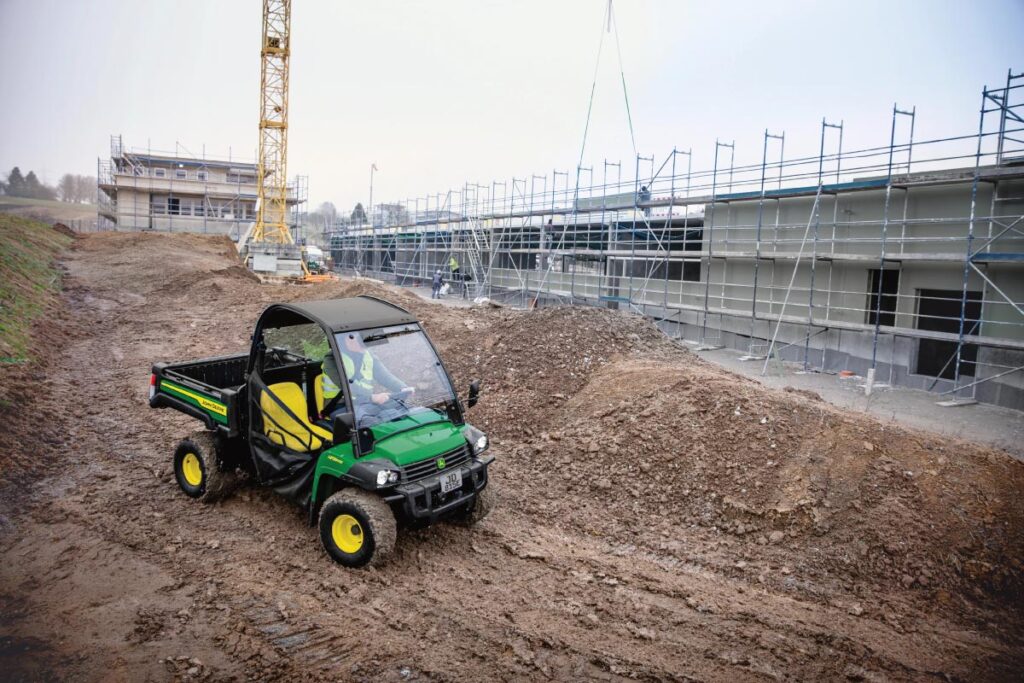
285 430
318 392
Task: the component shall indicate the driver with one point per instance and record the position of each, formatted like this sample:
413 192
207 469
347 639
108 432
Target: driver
364 372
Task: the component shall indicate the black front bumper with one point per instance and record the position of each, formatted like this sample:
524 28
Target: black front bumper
421 502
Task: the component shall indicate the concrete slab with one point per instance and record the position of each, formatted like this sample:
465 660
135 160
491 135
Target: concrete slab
981 423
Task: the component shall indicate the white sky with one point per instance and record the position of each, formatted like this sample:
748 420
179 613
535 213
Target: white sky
442 92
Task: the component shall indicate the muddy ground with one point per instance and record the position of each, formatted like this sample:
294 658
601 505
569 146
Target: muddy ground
659 518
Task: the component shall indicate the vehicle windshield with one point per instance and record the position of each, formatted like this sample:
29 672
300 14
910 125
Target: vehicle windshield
392 373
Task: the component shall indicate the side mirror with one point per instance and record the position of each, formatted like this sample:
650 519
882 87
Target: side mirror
342 426
366 440
474 393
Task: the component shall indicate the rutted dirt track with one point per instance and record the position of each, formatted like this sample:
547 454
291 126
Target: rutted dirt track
658 518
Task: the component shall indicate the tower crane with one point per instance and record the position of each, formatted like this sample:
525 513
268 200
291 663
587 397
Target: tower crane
270 234
271 174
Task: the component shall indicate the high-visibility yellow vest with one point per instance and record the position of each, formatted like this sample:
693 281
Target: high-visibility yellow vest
452 263
364 379
328 387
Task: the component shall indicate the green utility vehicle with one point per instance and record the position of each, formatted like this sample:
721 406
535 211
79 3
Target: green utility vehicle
342 406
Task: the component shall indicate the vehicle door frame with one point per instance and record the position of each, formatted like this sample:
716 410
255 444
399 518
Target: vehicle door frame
254 355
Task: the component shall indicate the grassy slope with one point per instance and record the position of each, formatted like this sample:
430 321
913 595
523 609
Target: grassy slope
29 280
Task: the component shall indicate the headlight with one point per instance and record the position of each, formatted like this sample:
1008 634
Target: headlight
477 439
385 477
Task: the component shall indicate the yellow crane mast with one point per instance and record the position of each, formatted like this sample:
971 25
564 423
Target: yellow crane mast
272 179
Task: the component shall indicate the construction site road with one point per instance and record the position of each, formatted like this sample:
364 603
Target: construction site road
657 518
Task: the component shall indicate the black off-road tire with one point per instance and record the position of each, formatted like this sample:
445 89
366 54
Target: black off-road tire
481 507
378 527
215 483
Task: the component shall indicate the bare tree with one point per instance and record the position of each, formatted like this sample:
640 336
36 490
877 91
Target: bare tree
79 189
67 188
328 213
85 189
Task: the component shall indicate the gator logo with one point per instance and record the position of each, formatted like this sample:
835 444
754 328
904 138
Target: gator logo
440 463
202 401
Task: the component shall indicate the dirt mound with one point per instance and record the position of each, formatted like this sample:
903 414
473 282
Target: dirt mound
531 362
665 444
65 230
238 272
342 289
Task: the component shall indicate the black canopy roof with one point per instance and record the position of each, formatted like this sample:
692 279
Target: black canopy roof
338 315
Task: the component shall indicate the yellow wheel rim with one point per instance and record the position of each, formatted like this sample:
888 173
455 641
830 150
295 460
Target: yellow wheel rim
192 469
347 533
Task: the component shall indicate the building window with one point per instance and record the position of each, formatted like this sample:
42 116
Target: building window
199 207
158 205
202 175
240 178
173 206
939 310
882 297
159 172
180 174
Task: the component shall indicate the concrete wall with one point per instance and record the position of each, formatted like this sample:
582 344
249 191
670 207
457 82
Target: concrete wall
133 213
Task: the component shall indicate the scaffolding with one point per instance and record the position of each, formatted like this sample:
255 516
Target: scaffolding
903 261
143 188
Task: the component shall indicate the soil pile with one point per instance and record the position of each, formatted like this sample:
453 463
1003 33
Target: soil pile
668 444
65 230
531 363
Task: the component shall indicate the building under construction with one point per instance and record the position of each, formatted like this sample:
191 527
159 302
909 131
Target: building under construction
903 262
145 189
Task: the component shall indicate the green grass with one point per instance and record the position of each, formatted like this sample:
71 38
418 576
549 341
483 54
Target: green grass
29 281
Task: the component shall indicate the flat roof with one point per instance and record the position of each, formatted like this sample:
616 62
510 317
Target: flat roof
340 315
191 162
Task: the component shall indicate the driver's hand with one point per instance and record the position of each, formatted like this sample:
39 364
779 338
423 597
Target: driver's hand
380 398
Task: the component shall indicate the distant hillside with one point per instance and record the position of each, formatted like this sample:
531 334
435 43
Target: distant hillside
49 211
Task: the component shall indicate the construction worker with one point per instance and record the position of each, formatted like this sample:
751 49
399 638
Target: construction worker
436 284
364 373
645 196
453 265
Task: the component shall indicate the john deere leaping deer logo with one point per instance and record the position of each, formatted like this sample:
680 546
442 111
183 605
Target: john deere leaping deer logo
440 463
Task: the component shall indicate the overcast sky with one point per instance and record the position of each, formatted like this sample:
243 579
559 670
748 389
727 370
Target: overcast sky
446 91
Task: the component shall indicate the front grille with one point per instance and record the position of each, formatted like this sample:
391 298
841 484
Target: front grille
425 468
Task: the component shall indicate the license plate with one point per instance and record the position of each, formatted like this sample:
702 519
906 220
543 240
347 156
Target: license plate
451 481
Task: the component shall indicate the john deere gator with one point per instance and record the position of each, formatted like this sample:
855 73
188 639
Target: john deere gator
344 407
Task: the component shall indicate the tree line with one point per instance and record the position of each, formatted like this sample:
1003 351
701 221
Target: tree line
79 189
327 215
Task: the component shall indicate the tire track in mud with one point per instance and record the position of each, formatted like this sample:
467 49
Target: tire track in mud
117 575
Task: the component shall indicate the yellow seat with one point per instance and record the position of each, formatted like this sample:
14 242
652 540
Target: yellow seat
283 429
